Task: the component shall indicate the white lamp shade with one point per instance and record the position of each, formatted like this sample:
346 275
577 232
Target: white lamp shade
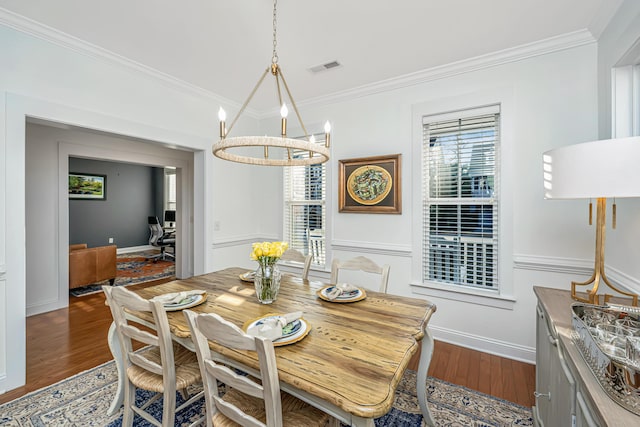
605 168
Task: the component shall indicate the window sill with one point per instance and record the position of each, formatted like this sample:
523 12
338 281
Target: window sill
472 296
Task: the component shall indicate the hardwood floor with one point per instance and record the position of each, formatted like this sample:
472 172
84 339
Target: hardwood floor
64 342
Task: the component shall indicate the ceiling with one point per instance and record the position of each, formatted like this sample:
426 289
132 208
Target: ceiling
224 46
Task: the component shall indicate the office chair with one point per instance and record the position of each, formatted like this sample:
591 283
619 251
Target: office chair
158 239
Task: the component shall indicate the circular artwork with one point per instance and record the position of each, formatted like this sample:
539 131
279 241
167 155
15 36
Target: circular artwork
369 185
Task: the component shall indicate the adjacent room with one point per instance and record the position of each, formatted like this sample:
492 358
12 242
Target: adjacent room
414 213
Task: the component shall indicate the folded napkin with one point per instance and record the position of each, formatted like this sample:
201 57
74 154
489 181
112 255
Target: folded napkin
271 327
176 297
340 289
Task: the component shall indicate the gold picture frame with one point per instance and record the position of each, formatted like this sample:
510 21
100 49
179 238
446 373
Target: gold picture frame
370 185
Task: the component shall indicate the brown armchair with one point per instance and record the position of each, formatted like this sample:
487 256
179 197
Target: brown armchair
91 265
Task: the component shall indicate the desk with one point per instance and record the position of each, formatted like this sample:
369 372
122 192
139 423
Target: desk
351 362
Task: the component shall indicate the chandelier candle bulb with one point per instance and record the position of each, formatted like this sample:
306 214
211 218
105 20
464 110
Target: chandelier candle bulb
222 116
284 112
327 134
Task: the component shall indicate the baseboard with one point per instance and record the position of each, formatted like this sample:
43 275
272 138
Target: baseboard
120 251
485 345
3 383
43 307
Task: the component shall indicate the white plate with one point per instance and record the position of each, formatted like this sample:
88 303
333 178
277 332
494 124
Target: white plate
191 301
350 297
248 276
290 339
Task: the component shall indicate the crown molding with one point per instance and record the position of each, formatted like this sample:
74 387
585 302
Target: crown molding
519 53
36 29
541 47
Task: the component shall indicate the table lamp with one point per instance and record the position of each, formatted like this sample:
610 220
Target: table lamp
595 170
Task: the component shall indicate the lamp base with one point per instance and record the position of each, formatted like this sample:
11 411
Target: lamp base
598 270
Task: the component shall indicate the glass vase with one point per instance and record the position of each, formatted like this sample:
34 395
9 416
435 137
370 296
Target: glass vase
267 282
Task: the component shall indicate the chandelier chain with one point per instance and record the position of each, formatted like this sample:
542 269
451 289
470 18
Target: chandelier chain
274 57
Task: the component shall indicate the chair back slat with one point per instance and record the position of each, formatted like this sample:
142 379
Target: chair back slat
140 335
240 382
145 363
363 264
297 256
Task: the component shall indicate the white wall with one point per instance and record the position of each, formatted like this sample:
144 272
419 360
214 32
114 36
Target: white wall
614 49
547 101
45 77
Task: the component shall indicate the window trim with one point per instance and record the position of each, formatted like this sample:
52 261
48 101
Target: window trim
504 297
317 130
486 113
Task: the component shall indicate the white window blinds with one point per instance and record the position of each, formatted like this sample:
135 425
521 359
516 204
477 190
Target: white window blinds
460 197
304 207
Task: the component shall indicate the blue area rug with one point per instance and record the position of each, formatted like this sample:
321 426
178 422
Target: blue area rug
83 400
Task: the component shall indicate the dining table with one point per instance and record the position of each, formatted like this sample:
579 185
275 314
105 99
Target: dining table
348 364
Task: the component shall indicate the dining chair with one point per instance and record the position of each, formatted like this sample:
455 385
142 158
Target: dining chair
163 367
248 401
363 264
297 256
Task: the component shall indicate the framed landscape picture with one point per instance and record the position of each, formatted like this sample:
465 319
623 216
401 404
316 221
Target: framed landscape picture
370 185
87 186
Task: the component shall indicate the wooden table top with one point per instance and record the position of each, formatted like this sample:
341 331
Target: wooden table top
355 354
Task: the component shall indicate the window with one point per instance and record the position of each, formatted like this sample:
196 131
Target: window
460 197
304 207
169 189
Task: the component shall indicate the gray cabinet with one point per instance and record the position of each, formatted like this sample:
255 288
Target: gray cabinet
567 392
555 385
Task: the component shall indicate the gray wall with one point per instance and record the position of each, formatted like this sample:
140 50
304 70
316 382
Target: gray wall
132 196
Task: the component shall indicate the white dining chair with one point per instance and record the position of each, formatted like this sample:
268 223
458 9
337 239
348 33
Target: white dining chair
297 256
163 367
246 401
361 264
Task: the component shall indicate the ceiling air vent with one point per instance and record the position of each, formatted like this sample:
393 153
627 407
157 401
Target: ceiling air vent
325 67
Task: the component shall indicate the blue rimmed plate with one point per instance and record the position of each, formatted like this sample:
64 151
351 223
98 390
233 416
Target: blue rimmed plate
292 332
351 296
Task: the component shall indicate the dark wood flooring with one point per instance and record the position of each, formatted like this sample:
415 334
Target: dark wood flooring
65 342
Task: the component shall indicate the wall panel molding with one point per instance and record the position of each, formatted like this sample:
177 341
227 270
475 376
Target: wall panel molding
242 239
372 248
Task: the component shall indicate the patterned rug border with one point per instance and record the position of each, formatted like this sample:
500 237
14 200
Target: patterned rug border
485 395
55 405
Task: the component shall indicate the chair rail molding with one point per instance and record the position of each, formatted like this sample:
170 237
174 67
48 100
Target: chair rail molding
389 249
241 239
575 266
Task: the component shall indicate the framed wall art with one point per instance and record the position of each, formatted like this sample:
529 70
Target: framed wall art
87 186
370 185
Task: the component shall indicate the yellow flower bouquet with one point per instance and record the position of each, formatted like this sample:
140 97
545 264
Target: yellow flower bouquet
267 277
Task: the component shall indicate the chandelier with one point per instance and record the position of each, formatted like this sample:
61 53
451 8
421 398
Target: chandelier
233 149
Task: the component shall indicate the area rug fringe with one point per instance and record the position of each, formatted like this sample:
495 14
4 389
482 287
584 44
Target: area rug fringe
83 400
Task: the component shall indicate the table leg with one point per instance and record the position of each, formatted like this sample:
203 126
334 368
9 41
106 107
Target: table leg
116 351
362 422
421 381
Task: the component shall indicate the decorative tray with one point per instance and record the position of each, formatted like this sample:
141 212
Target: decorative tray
608 338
